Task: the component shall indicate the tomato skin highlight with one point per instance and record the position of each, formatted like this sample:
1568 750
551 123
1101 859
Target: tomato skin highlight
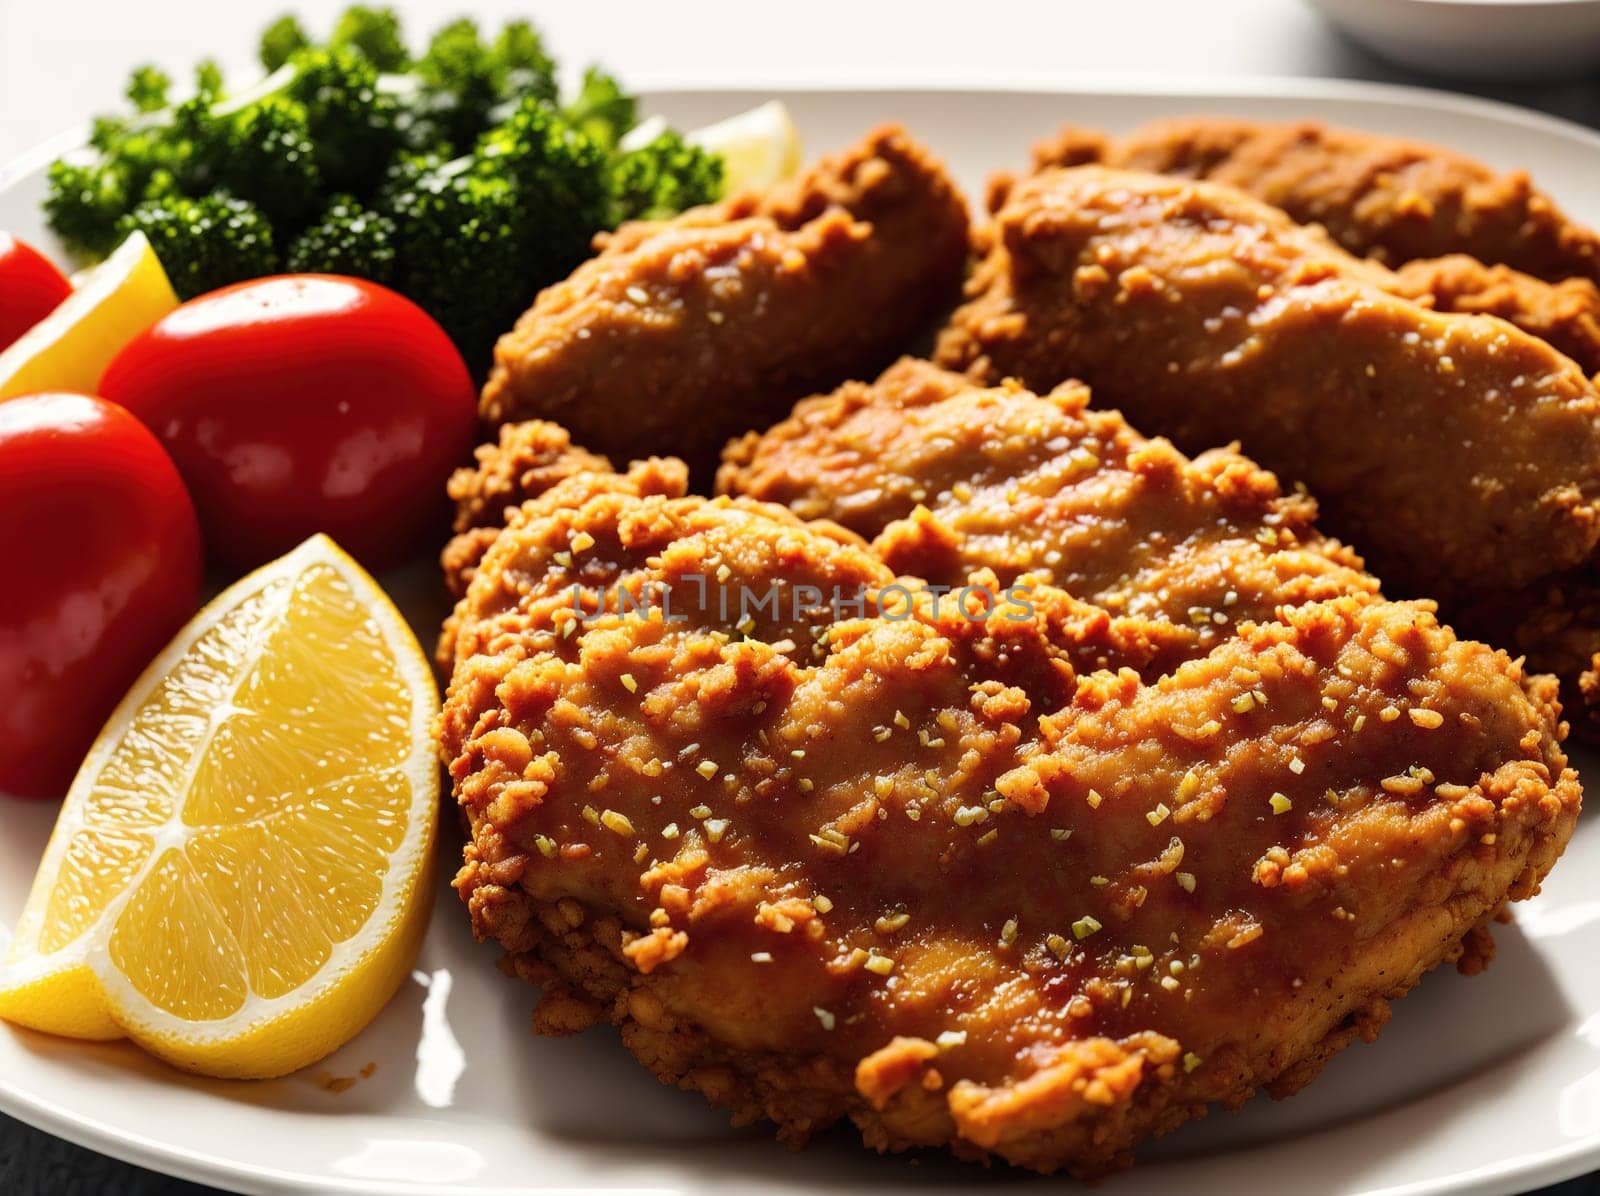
304 403
30 288
105 565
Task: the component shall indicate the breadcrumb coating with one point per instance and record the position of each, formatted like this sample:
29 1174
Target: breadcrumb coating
1458 454
1347 194
1378 196
924 870
681 334
1565 313
947 478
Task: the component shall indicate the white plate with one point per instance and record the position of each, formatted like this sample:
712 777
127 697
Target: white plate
1488 1085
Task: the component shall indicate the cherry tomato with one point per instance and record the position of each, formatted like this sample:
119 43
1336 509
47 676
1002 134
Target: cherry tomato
304 403
103 565
30 288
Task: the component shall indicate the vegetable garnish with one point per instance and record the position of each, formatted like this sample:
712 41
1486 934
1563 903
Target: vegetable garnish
30 288
457 176
102 554
304 403
69 348
240 875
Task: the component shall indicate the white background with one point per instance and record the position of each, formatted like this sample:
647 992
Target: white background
61 60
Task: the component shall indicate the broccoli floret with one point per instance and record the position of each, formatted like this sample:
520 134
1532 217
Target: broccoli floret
405 173
208 80
280 41
463 183
204 243
559 176
602 109
352 122
462 247
467 85
459 85
375 33
478 236
190 148
663 178
83 202
348 238
107 133
266 152
526 68
147 88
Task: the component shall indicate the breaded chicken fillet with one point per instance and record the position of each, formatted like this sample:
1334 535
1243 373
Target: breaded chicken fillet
681 334
946 478
921 871
1457 454
1565 311
1377 196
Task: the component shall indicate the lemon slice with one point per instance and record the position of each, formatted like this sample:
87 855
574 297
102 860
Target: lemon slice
70 348
759 148
241 873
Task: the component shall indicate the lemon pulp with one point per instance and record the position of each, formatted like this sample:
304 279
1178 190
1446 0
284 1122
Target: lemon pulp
70 348
238 879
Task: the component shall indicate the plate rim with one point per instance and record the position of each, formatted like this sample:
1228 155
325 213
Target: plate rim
1575 1158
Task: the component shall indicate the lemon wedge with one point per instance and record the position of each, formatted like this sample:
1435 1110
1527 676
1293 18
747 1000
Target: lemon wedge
70 348
759 148
241 873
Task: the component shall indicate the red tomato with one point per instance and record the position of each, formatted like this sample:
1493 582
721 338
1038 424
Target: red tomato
30 288
304 403
103 562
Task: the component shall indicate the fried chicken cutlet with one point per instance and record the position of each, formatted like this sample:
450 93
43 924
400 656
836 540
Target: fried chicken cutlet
923 873
946 478
1458 454
1565 312
1378 196
681 334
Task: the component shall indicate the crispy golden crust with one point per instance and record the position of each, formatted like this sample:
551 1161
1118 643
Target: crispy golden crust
1458 454
679 335
1555 624
1566 313
544 472
526 460
1378 196
924 872
946 478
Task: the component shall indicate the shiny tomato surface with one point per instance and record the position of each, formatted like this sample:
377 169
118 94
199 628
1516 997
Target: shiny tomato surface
103 565
30 288
304 403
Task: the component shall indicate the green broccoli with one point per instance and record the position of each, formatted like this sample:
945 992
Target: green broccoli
459 178
463 240
661 179
559 175
374 33
459 86
208 80
190 148
83 201
281 41
147 88
204 243
466 85
602 109
348 238
526 68
267 153
352 122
